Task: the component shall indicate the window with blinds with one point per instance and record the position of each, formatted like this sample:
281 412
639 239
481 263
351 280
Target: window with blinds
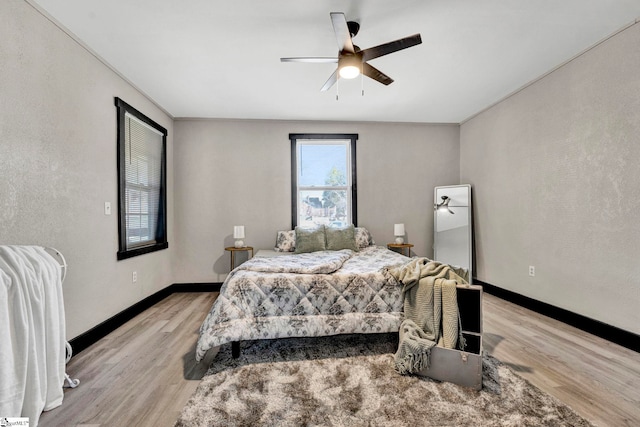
142 183
323 178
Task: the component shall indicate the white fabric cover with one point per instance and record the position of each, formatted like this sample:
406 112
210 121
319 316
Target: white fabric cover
32 332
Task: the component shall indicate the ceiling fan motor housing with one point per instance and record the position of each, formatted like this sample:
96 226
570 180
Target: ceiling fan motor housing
354 27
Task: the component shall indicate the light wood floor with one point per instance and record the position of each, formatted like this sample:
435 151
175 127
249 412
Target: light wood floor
143 373
598 379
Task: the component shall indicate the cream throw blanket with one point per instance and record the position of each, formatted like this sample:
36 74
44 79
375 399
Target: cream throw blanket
431 312
32 332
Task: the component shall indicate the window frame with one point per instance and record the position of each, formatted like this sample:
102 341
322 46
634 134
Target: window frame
124 252
294 138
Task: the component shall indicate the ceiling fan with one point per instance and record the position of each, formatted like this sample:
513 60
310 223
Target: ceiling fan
351 60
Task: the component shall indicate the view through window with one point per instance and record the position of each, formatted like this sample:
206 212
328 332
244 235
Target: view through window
323 177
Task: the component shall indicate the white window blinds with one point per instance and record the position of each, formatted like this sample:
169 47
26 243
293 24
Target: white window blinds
143 180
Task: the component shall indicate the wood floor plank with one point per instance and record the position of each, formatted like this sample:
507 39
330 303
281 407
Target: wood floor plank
143 373
600 380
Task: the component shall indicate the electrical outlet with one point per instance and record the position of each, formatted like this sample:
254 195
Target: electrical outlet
134 277
532 271
107 208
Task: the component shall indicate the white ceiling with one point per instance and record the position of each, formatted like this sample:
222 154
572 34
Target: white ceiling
221 59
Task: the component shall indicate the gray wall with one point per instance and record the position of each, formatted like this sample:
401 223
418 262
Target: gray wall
557 185
234 172
58 165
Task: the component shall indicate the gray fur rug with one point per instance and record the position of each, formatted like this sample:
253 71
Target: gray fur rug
349 380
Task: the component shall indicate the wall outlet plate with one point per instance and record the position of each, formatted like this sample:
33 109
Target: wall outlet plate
532 271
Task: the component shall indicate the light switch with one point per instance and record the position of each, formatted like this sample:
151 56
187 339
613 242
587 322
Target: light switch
107 208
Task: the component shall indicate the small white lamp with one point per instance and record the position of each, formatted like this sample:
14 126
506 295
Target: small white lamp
238 234
398 231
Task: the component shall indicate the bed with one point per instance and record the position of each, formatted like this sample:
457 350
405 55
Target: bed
320 293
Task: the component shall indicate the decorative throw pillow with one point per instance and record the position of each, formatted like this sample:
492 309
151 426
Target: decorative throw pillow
309 239
363 237
340 238
285 241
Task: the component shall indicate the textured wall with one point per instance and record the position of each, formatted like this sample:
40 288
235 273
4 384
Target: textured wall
234 172
58 164
557 185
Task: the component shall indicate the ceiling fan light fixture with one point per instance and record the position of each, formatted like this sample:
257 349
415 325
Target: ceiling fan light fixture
444 205
349 72
349 67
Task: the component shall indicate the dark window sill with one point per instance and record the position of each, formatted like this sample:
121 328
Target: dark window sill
141 251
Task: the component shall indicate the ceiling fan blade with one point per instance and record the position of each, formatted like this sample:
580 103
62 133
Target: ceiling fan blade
332 80
318 60
387 48
343 36
376 74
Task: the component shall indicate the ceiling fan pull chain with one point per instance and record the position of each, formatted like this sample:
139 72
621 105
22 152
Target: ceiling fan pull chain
362 78
337 89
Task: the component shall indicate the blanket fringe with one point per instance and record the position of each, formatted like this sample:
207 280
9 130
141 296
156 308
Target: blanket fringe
413 363
462 342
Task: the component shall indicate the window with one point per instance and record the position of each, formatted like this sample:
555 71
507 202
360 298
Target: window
142 197
323 179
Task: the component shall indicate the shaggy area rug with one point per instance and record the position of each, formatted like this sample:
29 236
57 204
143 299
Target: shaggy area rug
349 380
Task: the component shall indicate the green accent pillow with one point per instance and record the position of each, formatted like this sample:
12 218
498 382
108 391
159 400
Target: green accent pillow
309 239
341 238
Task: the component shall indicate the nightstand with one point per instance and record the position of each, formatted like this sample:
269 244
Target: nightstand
400 247
233 251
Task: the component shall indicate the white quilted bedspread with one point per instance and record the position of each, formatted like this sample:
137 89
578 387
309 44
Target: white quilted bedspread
359 297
